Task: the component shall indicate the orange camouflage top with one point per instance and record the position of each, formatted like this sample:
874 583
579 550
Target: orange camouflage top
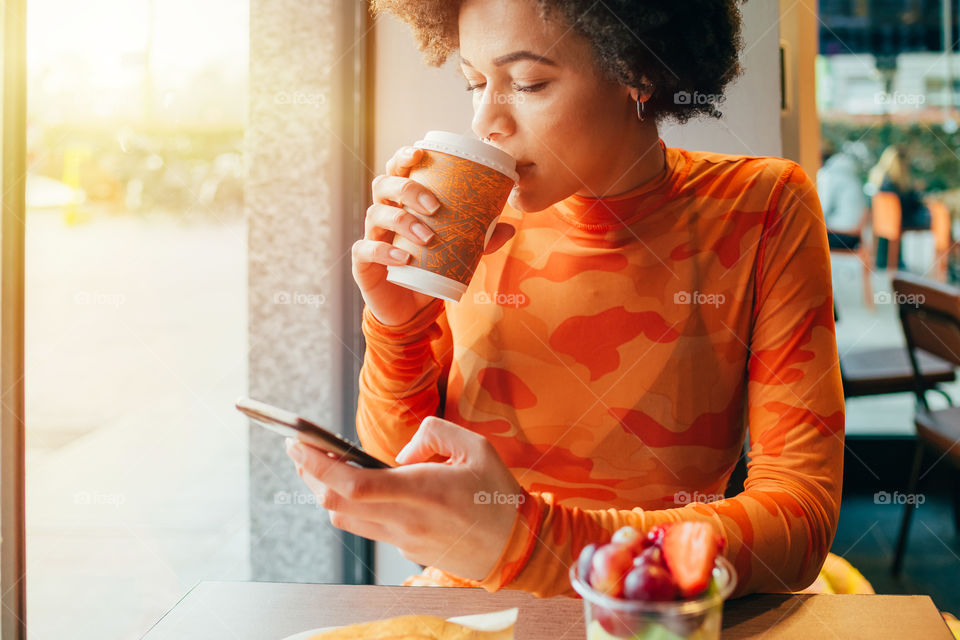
615 352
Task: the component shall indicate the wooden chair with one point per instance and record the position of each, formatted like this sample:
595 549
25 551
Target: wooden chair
930 316
887 216
863 254
884 370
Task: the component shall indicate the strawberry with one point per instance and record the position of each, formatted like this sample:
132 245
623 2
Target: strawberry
689 551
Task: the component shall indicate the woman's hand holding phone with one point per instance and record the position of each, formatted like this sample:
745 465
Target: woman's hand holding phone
456 515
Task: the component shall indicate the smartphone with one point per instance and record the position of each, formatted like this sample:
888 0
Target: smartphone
289 424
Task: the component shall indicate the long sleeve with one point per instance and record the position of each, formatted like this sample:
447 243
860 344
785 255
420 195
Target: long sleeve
402 378
779 529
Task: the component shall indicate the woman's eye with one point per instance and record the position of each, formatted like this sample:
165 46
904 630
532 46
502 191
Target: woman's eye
530 88
526 89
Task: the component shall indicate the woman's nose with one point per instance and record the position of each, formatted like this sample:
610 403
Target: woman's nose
493 117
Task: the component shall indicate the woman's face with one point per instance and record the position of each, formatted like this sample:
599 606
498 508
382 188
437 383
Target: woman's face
539 97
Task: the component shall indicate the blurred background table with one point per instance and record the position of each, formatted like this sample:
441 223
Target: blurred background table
272 611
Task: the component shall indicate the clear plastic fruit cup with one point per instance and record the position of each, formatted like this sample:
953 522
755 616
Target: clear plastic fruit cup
700 618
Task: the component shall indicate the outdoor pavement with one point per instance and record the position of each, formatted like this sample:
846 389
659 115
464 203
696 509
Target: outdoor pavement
136 458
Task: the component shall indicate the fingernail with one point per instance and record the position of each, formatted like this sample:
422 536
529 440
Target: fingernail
295 451
421 230
399 254
429 202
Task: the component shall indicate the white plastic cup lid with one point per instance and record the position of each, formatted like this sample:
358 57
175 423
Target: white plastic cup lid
426 282
471 149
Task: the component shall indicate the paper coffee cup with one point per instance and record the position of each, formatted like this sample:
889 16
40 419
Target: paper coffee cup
472 180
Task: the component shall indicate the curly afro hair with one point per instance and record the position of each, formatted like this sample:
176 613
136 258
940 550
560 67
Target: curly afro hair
688 50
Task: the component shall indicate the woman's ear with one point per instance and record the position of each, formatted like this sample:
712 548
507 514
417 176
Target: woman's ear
644 89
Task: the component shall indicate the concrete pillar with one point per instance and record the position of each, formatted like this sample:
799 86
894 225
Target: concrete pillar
301 207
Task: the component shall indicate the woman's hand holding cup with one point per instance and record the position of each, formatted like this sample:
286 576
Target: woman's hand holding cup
392 304
394 196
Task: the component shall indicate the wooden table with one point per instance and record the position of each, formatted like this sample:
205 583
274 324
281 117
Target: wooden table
271 611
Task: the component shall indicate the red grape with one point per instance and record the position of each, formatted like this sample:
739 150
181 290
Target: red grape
650 555
654 537
609 565
650 583
628 537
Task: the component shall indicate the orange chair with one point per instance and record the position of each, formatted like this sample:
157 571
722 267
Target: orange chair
887 217
940 226
886 224
864 254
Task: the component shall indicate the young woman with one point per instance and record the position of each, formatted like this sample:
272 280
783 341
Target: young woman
891 174
640 311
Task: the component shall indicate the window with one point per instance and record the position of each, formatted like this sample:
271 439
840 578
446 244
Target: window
136 306
888 73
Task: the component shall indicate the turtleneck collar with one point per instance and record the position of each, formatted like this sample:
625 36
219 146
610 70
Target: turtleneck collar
601 214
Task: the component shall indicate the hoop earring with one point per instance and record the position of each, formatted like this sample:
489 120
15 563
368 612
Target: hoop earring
641 109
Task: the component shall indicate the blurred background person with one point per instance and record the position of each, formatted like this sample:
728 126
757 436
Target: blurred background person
891 174
841 197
